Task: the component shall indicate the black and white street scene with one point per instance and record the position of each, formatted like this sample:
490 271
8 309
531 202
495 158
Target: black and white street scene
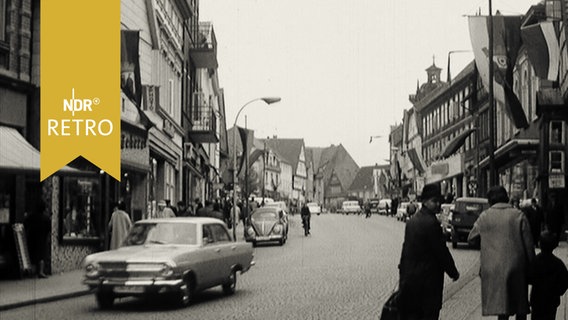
315 159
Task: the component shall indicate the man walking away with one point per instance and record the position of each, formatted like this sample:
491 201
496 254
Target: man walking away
506 253
424 260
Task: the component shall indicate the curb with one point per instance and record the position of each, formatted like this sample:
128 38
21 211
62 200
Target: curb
45 299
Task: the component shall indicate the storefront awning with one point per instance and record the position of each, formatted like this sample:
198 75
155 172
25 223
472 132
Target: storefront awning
456 143
523 144
17 154
415 160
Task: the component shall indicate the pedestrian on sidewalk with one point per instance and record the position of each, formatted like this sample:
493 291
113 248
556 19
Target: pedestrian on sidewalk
549 279
506 254
119 225
164 211
424 260
38 227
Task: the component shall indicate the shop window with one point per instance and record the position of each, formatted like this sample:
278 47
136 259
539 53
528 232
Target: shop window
556 134
82 213
556 159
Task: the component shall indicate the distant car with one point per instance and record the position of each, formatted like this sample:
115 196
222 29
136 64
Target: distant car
174 256
443 216
348 207
385 206
374 205
314 208
463 216
267 224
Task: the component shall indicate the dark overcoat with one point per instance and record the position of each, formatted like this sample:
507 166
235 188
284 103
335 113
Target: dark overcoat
424 259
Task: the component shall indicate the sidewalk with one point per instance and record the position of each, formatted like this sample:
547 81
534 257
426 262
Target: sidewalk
22 292
465 302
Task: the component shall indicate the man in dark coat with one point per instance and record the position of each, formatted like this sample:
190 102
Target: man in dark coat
424 259
306 215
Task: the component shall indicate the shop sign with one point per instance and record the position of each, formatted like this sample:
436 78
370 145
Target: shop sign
440 168
556 181
150 98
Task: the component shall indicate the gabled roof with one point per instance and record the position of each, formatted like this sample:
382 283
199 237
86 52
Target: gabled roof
364 179
335 160
289 149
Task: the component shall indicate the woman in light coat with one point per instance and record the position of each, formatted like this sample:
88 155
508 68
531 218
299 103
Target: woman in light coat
119 225
507 251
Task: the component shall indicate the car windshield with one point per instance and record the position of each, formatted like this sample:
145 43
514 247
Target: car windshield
162 233
264 215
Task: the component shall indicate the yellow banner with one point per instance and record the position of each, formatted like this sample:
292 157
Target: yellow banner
80 84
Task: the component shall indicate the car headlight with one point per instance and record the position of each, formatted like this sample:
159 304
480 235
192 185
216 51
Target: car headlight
277 228
92 270
166 270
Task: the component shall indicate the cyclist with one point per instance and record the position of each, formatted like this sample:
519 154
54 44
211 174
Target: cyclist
305 213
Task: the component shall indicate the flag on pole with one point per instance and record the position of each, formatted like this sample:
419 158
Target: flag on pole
506 44
541 41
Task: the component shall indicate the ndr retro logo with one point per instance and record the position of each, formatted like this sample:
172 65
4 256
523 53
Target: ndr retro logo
79 127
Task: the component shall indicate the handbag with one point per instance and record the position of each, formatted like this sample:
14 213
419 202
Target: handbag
391 307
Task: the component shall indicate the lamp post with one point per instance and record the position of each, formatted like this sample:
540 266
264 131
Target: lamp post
267 100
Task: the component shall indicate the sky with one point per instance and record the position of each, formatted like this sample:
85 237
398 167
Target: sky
343 69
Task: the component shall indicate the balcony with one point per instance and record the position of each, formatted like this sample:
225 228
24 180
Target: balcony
203 51
204 121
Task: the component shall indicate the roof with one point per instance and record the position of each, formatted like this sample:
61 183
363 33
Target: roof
363 179
288 149
335 160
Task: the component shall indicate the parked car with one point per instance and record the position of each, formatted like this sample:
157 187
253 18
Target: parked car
267 224
463 216
443 219
374 205
174 256
384 206
314 208
348 207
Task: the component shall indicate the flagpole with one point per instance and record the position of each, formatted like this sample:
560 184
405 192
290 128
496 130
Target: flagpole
492 169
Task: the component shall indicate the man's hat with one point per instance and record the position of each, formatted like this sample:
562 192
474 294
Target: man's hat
431 191
161 203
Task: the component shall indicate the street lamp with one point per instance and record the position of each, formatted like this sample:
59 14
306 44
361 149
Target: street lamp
267 100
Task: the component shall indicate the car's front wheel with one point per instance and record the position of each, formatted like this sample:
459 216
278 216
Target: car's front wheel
230 286
185 293
105 299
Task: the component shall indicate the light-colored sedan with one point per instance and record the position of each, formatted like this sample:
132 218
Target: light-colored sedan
175 256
